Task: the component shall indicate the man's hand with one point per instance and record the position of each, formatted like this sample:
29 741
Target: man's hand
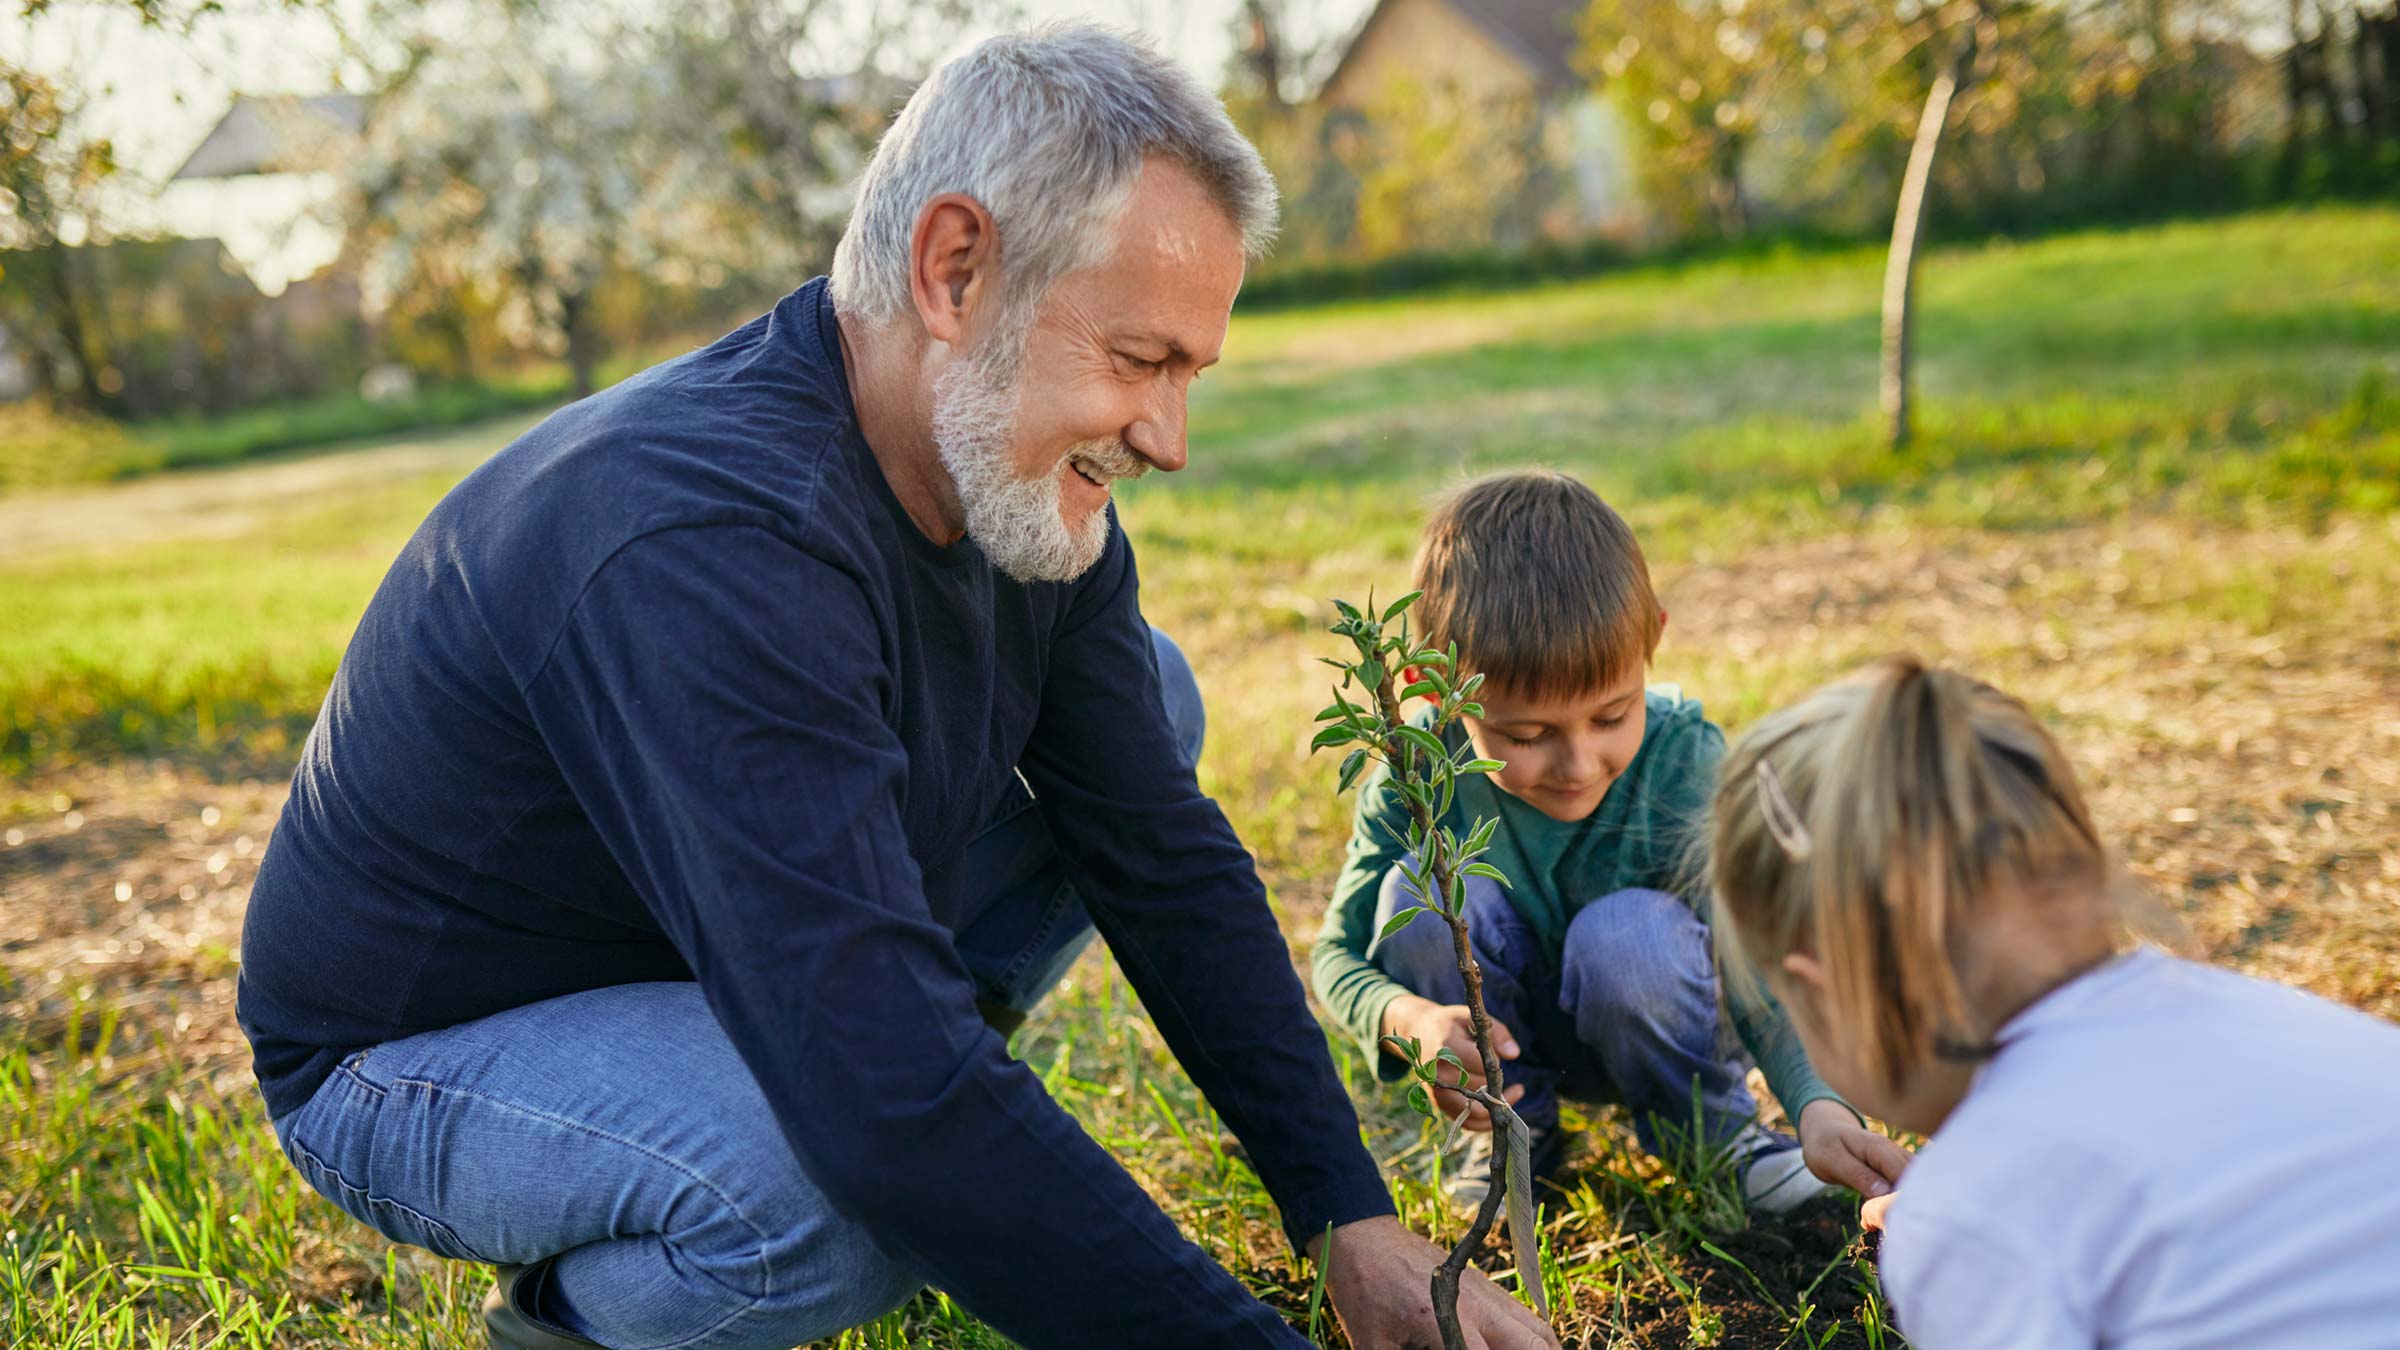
1435 1025
1840 1150
1381 1287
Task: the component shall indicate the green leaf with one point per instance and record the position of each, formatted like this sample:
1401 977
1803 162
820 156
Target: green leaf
1467 687
1424 740
1351 764
1419 1100
1392 610
1483 766
1333 736
1332 712
1464 709
1430 657
1418 690
1483 869
1399 921
1448 1056
1449 792
1481 839
1348 611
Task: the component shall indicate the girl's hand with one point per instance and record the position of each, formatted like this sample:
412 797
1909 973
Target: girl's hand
1840 1150
1435 1025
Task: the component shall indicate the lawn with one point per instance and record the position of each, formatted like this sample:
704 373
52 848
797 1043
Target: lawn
2157 493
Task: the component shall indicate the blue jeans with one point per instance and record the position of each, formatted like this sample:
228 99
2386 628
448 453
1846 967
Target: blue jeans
614 1139
1626 1013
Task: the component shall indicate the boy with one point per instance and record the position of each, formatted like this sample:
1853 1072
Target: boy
1596 962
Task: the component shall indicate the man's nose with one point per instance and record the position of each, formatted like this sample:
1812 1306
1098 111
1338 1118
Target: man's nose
1159 436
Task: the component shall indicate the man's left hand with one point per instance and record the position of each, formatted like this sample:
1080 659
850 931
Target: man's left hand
1381 1287
1840 1150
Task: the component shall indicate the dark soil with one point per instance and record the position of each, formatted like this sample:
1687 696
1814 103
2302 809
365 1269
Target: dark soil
1757 1287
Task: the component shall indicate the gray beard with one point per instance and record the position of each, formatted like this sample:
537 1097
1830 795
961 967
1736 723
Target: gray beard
1015 521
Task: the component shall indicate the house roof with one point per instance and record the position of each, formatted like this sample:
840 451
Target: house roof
281 133
1540 34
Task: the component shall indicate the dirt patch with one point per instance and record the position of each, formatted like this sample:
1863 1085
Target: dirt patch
126 885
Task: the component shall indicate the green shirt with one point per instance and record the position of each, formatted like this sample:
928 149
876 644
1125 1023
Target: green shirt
1643 835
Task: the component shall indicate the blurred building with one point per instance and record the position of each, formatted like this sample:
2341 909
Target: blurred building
1503 59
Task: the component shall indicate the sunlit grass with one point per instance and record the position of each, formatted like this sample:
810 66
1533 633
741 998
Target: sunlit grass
2157 493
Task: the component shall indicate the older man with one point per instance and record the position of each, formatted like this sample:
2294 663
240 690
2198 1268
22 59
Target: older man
664 861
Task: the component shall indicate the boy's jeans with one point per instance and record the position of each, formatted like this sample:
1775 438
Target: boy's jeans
1627 1014
616 1135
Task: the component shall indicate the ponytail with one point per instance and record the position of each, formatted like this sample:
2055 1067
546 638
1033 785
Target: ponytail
1915 796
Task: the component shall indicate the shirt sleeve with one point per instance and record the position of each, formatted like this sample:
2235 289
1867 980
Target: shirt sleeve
1354 991
719 704
1960 1285
1179 902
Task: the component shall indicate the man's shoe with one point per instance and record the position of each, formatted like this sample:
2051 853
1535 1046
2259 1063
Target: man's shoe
1465 1185
511 1329
1775 1178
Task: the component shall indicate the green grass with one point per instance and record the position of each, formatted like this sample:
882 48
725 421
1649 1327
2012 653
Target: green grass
2171 456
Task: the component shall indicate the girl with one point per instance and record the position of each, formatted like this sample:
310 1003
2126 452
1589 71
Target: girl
2128 1149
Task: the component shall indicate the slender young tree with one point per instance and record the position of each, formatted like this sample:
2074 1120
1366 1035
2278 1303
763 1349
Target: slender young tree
1390 668
1908 231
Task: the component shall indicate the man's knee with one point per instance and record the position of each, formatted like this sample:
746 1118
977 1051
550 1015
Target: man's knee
808 1273
1640 954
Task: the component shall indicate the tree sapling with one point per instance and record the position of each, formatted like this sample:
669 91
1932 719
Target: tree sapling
1391 669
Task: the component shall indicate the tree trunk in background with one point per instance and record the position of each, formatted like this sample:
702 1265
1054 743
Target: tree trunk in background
1908 230
67 321
574 319
1725 195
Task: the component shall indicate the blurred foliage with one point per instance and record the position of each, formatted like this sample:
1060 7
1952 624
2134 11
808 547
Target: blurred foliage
1794 117
51 175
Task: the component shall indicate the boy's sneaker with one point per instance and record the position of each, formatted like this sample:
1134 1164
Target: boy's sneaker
1465 1185
1775 1179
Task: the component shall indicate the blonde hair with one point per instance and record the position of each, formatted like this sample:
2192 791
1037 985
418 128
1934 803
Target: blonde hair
1540 583
1867 824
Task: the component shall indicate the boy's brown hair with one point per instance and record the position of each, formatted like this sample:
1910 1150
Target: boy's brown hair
1540 583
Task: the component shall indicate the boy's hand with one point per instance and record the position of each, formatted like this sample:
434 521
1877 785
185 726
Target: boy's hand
1435 1025
1840 1150
1380 1285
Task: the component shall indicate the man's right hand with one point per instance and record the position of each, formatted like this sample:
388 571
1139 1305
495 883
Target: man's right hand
1381 1286
1435 1025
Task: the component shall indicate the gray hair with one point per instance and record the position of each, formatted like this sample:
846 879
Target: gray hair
1048 129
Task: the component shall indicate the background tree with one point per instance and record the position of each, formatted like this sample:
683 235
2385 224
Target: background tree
52 176
1698 84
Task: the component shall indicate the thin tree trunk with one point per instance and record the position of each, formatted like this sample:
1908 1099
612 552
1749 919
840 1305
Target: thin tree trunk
582 343
1900 267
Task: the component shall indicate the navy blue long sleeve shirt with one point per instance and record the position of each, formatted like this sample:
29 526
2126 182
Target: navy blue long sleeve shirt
672 688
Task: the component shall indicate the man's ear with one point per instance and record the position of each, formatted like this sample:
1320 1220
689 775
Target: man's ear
953 258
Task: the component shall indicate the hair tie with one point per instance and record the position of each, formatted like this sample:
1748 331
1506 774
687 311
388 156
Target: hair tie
1783 819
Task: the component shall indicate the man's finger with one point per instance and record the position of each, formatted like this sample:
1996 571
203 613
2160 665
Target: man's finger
1506 1324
